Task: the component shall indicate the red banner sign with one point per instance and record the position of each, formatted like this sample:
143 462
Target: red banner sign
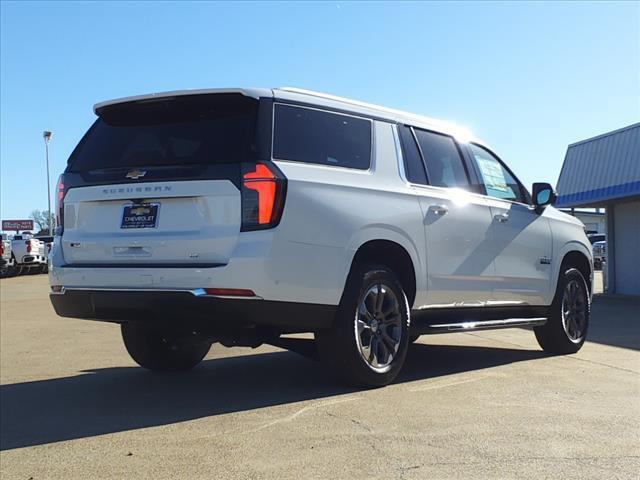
17 225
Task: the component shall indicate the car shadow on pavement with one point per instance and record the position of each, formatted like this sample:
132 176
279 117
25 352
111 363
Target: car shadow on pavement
109 400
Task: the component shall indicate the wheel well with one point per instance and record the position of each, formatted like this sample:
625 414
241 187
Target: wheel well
581 262
393 256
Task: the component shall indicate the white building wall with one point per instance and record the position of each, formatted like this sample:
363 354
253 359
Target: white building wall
592 222
626 230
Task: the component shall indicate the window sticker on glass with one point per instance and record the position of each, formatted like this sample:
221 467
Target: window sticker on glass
492 174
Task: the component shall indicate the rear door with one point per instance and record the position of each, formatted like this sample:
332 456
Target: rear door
457 221
156 182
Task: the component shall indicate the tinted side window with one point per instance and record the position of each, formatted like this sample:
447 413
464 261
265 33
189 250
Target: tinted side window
497 180
442 158
414 168
315 136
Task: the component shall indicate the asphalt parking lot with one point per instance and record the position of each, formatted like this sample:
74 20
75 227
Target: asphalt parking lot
482 405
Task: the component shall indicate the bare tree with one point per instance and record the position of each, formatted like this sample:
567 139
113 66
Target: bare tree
41 218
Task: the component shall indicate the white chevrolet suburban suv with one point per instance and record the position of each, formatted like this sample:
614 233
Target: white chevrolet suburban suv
240 216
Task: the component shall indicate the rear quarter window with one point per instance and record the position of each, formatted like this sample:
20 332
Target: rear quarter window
308 135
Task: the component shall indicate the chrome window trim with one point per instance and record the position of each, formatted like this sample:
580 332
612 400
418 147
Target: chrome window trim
399 155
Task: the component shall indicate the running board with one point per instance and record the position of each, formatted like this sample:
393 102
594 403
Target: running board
486 325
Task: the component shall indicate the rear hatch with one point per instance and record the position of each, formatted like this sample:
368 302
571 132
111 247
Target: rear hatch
156 182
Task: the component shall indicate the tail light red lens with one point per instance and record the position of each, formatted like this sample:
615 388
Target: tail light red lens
263 193
1 249
60 203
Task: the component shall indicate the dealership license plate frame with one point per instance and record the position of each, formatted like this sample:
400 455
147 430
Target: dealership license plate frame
129 216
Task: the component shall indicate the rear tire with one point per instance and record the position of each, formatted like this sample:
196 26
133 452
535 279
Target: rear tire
367 344
568 320
7 271
162 350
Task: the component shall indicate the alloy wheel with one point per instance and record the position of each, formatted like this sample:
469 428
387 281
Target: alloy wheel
574 310
378 327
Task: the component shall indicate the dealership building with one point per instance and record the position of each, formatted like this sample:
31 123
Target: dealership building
604 171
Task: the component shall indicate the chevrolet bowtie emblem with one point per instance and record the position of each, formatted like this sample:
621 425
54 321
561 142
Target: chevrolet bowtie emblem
136 174
140 211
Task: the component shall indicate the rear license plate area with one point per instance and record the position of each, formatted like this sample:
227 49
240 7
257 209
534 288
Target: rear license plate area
142 215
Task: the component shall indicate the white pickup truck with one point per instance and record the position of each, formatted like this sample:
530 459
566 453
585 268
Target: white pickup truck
7 261
30 254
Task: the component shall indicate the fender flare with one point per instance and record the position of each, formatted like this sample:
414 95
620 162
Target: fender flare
393 234
568 247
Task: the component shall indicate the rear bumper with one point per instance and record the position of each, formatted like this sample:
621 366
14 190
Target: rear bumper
33 260
186 307
276 270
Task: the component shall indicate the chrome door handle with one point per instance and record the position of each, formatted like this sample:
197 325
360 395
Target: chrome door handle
439 209
501 217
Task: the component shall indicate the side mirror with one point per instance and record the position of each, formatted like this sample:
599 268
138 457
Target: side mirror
543 195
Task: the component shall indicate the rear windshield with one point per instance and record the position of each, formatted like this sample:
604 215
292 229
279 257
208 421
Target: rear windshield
186 130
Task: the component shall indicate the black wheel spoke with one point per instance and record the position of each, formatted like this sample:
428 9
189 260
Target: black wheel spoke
379 300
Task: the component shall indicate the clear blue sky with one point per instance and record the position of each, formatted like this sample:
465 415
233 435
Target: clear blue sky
528 78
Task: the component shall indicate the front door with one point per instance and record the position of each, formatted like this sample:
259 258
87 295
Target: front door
521 237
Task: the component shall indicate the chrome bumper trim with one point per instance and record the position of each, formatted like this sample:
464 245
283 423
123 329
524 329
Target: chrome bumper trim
197 292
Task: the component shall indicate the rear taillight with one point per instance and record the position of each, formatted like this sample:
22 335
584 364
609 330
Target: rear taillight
29 247
60 205
1 249
263 192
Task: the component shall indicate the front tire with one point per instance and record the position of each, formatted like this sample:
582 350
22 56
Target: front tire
568 320
367 344
162 350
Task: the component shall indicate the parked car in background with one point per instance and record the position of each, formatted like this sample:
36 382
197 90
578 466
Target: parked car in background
48 243
596 237
7 261
599 254
240 216
30 254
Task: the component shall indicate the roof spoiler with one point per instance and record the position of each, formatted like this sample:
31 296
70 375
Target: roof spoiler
247 92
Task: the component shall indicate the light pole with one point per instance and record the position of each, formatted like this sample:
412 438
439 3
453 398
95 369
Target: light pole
47 137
